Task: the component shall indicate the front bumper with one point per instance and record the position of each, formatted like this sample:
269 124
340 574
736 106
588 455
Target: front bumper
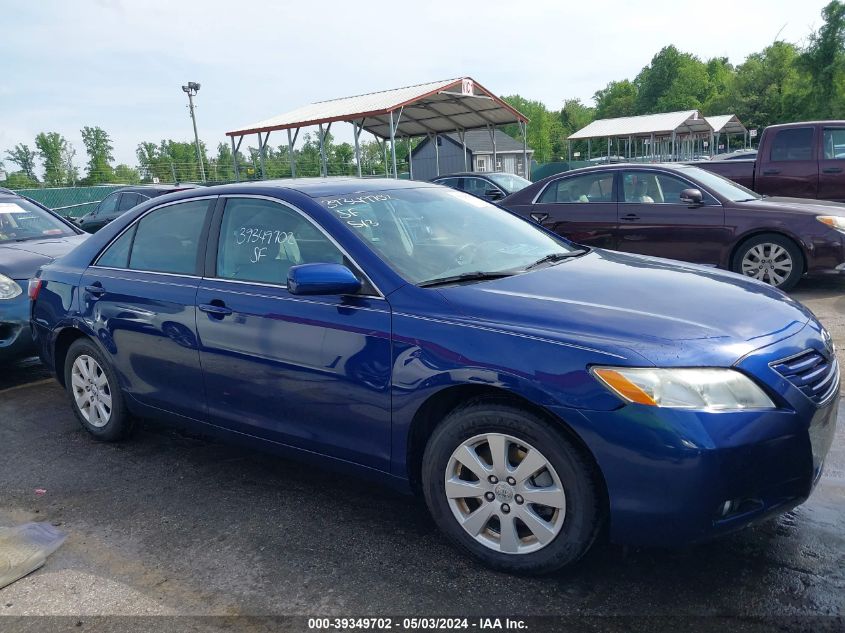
675 477
15 336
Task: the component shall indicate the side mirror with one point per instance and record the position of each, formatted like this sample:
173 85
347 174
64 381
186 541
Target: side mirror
322 279
493 194
691 196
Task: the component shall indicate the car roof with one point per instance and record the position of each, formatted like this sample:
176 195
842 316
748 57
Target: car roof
480 174
618 166
156 188
319 187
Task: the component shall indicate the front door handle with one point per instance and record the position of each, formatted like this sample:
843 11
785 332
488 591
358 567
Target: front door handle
631 217
95 289
216 309
832 170
771 172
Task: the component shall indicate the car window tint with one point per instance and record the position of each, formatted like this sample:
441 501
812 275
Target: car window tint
167 240
448 182
260 240
834 143
596 187
793 144
117 254
127 201
108 205
476 186
645 187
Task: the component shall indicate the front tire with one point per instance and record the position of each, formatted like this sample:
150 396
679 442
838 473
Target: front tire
771 258
510 489
94 393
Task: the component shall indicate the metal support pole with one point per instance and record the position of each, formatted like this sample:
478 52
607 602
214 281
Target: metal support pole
261 156
386 168
393 145
589 149
525 170
463 135
436 154
290 156
357 132
410 159
235 160
196 136
493 139
324 169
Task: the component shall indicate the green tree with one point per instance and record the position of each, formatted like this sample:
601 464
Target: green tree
573 116
617 99
23 157
52 148
126 175
672 81
98 146
544 130
824 61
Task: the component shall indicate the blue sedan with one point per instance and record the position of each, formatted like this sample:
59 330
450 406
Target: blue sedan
30 236
531 389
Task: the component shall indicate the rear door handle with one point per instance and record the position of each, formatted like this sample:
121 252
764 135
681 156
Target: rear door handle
95 289
631 217
217 309
771 172
832 170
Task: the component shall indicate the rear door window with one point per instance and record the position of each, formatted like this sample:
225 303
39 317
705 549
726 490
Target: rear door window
127 201
834 143
792 144
596 187
168 239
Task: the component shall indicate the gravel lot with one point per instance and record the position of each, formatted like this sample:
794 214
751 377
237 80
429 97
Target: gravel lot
175 524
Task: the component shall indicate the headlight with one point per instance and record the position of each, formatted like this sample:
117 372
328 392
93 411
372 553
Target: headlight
712 389
8 288
833 221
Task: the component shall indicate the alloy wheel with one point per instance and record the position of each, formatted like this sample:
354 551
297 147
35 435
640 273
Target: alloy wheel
505 493
767 262
91 391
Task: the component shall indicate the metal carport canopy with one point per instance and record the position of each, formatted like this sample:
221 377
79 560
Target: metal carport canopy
684 122
726 123
430 108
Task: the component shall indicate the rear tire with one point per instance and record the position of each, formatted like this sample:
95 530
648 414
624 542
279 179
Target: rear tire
486 469
771 258
94 393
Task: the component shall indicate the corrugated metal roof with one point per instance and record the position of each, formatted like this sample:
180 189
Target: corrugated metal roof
726 123
681 122
438 106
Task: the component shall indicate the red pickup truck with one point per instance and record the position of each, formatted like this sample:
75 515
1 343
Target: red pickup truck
798 160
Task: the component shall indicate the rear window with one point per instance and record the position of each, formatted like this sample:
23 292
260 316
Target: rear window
20 220
793 144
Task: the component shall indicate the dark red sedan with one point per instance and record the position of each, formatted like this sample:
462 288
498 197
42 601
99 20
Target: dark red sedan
683 212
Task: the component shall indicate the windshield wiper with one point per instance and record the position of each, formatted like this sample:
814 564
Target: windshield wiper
474 276
555 257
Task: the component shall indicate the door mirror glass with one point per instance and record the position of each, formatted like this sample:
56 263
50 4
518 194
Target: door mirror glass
691 196
322 279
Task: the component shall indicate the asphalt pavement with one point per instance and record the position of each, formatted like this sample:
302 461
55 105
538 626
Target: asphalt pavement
171 523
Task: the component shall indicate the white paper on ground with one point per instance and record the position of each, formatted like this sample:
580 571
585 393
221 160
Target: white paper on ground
24 548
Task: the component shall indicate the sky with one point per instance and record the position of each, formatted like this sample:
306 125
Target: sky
120 64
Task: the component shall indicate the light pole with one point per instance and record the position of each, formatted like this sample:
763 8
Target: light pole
191 89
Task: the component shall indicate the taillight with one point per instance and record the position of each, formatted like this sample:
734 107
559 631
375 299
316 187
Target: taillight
34 288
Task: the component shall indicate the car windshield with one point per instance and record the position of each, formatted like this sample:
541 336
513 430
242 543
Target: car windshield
509 182
722 186
21 220
430 234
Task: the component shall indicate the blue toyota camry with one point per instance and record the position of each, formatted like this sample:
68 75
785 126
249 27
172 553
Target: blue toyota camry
532 389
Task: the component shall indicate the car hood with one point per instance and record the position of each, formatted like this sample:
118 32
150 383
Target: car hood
667 312
802 206
21 260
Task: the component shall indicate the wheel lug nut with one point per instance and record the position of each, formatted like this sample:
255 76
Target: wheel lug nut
506 508
518 499
511 481
489 496
493 479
